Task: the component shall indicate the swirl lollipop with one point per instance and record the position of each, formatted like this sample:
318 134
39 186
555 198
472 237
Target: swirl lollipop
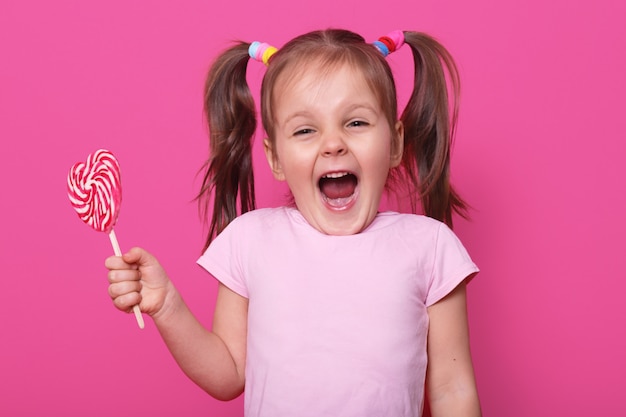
95 191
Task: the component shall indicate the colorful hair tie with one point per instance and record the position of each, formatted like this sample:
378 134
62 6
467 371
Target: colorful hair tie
390 43
262 52
382 48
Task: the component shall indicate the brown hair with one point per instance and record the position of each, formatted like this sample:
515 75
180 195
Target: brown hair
424 173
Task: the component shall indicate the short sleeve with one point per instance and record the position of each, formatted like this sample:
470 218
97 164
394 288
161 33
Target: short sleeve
222 259
451 265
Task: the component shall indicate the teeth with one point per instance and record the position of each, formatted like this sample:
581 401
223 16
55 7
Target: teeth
335 175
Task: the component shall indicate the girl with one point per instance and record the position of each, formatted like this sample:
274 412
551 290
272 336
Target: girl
325 307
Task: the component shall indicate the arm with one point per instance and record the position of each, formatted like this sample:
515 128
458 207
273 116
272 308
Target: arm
450 383
214 360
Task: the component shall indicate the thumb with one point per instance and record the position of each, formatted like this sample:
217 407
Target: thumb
140 257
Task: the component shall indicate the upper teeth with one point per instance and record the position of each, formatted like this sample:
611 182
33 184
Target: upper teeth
335 175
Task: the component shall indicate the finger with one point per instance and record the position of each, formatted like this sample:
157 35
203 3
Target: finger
121 275
117 262
127 301
119 289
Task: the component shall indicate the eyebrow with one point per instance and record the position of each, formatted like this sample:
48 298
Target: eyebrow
295 115
351 108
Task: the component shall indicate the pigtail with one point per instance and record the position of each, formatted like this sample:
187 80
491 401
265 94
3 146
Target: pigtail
429 128
230 111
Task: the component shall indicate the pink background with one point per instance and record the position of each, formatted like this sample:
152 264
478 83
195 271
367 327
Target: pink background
539 154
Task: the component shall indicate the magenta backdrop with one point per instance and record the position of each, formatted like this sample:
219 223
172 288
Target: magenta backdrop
539 154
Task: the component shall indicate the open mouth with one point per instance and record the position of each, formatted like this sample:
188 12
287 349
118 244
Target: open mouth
338 188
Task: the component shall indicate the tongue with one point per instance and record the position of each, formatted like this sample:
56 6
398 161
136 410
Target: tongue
334 188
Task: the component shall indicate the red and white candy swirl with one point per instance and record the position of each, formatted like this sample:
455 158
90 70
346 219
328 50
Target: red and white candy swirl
95 190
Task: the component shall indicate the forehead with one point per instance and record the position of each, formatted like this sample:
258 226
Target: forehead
319 82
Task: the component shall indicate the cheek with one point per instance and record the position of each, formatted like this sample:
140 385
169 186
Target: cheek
296 156
377 157
294 167
377 166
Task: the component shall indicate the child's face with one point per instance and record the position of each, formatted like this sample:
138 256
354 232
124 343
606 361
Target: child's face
334 147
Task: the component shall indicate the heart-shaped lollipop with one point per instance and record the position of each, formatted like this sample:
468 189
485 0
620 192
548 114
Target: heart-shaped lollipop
95 191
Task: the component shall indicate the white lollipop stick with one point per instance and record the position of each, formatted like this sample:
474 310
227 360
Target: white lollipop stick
118 252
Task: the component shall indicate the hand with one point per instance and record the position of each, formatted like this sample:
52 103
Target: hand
137 278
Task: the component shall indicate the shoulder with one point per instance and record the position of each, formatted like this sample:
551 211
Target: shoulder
392 217
407 224
246 234
262 216
260 222
416 231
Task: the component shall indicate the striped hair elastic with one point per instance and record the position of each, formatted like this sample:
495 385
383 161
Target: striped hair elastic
390 43
262 52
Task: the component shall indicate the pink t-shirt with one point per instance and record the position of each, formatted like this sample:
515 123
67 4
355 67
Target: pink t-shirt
337 325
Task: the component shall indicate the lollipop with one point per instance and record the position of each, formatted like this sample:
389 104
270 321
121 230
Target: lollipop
95 191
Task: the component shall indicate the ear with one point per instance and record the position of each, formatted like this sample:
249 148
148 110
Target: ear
272 159
397 144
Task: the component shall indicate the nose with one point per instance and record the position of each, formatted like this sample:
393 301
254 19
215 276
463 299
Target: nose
333 145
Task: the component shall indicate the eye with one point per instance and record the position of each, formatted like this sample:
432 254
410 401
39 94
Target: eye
358 123
304 131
